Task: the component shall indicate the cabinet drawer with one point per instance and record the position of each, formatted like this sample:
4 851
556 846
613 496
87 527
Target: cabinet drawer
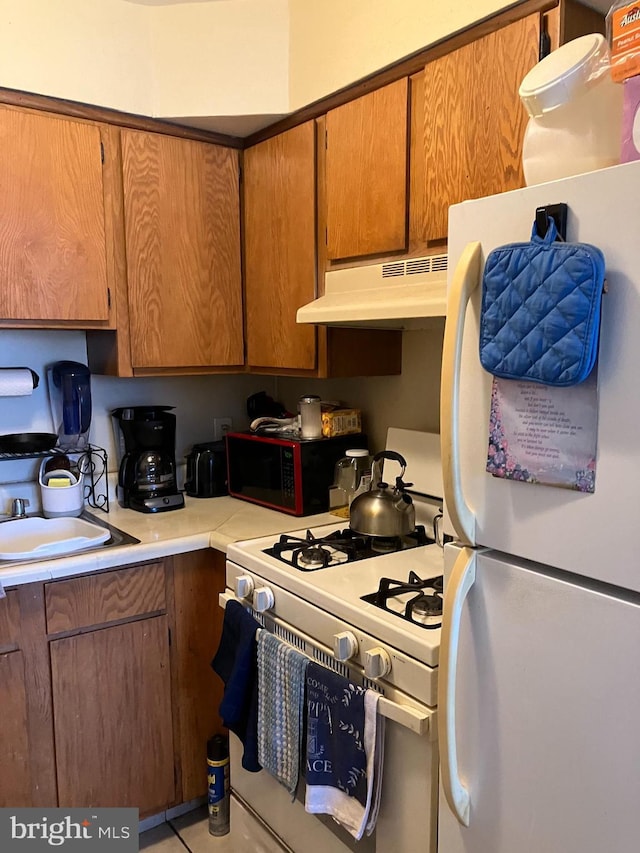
93 599
9 622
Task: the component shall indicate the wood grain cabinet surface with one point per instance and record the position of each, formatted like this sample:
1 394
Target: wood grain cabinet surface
15 766
199 577
112 717
182 233
366 173
474 121
280 248
52 231
89 600
106 685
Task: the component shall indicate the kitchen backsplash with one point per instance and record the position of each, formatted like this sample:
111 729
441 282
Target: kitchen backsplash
197 399
410 400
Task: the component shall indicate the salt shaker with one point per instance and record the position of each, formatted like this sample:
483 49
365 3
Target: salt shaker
310 416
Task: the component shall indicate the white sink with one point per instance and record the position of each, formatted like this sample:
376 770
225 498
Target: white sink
34 538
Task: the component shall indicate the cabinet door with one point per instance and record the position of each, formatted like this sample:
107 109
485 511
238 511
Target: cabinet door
182 228
474 120
112 717
198 579
15 779
52 231
280 248
366 174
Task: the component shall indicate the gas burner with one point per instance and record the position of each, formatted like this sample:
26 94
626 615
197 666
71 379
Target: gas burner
312 552
423 608
312 557
386 544
399 597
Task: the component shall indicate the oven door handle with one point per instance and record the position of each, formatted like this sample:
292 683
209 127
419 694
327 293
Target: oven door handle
462 578
422 722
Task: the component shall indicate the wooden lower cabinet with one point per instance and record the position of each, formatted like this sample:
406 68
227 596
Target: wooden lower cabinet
15 775
106 690
198 578
117 683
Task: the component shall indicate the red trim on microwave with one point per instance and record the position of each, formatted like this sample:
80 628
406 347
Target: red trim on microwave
297 477
294 446
277 507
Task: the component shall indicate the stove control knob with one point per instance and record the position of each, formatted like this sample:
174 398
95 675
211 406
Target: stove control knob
263 599
377 663
244 586
345 646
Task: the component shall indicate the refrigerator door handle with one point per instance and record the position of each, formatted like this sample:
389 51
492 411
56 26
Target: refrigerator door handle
462 578
465 280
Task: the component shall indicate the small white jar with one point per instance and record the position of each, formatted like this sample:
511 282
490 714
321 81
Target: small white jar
575 112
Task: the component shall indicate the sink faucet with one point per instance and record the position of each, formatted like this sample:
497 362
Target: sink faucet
18 507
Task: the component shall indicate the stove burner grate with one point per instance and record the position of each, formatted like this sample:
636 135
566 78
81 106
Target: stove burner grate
310 553
423 605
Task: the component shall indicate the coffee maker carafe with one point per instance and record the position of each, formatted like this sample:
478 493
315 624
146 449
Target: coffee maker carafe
147 474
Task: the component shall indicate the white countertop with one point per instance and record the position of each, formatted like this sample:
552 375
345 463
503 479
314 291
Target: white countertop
203 523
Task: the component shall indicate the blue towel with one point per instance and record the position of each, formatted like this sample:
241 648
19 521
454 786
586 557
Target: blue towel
281 671
335 733
236 664
344 751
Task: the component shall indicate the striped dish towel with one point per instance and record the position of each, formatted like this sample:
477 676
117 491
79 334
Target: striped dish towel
281 680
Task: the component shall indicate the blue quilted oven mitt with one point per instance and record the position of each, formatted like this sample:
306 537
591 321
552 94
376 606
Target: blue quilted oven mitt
540 317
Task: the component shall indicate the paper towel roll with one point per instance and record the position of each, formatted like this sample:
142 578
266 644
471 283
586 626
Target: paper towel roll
16 382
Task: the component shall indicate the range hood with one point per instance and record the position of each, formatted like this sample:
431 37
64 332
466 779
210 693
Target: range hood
394 295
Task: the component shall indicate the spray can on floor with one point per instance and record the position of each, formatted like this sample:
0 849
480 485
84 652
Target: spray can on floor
218 784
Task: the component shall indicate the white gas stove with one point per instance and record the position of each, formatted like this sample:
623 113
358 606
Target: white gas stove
395 596
372 614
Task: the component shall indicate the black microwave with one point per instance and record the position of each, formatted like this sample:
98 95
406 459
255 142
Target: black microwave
288 474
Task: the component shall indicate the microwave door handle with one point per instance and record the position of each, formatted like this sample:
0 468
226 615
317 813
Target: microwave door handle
462 578
465 280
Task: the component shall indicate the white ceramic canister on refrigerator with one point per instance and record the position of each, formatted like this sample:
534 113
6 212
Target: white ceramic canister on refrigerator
575 112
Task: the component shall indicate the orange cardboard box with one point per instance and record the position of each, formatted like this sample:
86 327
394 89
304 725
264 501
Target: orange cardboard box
623 29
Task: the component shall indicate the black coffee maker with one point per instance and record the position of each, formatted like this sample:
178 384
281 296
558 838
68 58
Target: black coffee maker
147 474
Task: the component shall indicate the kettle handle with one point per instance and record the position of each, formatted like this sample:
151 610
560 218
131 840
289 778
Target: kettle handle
394 456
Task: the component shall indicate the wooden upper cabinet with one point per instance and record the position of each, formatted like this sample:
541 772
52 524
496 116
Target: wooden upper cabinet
366 174
474 120
280 248
182 232
52 230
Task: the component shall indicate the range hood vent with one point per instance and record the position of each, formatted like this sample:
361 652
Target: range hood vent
394 295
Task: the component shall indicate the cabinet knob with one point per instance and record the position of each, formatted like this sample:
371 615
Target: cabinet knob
244 586
345 646
377 663
263 599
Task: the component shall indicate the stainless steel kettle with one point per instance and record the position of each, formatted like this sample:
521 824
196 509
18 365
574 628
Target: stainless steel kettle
384 511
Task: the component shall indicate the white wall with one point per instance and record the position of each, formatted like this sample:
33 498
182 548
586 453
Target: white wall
225 58
93 51
197 399
234 59
411 400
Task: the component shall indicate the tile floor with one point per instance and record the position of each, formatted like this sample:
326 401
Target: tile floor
190 834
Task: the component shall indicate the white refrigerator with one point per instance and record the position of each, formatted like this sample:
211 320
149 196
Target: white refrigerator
539 684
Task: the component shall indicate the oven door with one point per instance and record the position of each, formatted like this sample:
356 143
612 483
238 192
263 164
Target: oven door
408 808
